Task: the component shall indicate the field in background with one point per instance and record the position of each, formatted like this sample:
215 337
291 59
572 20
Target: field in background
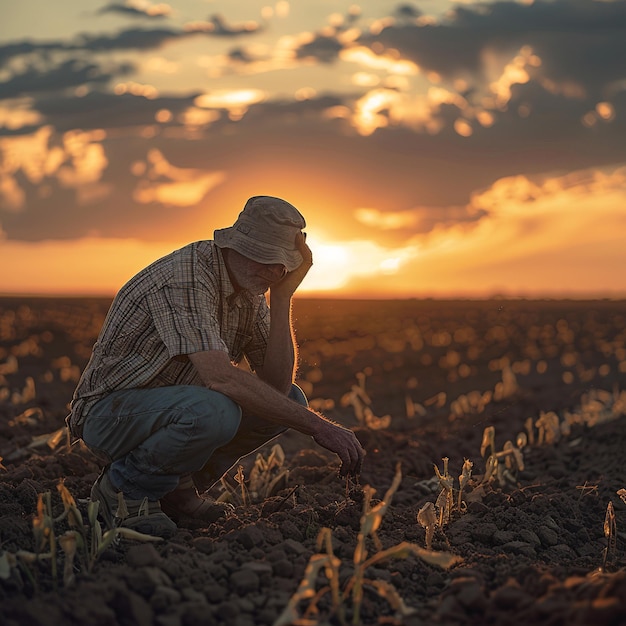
418 381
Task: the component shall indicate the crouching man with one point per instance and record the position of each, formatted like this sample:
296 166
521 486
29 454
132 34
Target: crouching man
162 395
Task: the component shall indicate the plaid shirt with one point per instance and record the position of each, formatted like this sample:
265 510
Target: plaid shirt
180 304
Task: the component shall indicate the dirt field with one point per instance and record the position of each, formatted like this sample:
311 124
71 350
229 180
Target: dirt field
418 381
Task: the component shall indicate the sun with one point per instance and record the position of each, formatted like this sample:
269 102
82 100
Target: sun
331 265
336 264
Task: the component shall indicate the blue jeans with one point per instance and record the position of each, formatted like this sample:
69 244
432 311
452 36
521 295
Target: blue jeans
154 436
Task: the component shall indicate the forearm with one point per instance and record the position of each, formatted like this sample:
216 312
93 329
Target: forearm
256 397
253 395
281 355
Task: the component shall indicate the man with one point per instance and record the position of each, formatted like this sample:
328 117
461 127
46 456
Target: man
162 395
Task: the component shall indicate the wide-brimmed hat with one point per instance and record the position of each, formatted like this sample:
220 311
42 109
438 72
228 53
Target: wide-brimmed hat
265 231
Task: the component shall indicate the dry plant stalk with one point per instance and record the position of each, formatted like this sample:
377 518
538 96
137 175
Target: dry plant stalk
241 481
359 399
504 465
355 585
464 478
488 442
445 501
267 477
610 532
85 541
427 517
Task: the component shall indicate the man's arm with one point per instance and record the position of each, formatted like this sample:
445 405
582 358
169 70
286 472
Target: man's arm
281 358
256 397
279 364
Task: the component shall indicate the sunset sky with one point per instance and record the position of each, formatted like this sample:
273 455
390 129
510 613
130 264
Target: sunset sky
446 149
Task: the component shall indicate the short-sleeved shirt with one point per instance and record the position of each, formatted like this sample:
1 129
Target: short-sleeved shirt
181 304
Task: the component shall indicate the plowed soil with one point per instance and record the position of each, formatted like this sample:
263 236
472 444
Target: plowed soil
418 381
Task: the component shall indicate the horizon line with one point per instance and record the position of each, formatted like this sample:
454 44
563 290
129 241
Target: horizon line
554 296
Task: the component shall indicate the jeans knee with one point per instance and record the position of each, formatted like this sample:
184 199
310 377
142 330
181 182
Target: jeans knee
298 395
217 418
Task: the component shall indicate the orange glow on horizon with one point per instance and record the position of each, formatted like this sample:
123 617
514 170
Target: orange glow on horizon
529 242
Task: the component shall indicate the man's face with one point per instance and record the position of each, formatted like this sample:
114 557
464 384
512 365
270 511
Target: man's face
255 277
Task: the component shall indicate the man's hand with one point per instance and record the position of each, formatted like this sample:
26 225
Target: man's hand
344 443
287 285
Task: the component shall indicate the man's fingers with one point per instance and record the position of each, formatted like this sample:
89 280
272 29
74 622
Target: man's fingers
305 251
353 460
344 443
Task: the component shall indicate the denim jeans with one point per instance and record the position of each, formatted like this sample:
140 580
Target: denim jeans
154 436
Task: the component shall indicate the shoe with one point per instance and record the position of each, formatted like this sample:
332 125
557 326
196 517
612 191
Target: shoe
184 501
144 516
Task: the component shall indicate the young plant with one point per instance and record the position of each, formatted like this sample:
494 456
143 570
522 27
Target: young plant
610 532
464 478
353 591
267 477
502 466
548 427
359 399
87 542
427 518
445 501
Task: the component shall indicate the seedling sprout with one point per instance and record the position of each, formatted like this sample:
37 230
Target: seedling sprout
356 583
427 517
610 532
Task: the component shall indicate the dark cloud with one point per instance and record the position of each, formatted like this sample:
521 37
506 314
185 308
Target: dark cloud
220 27
576 39
106 110
323 48
130 39
70 73
131 11
140 39
23 48
407 11
292 149
240 55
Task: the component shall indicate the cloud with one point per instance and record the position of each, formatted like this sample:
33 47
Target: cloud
217 25
324 48
576 40
531 242
13 50
129 39
405 148
418 219
165 184
398 173
106 110
16 115
70 73
138 9
140 39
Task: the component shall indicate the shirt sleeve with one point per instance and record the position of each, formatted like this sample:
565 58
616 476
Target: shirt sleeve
186 319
